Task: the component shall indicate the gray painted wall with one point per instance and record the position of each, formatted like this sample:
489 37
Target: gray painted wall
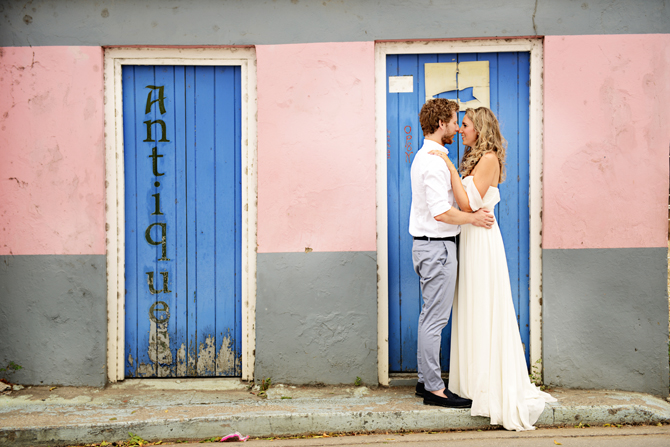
605 319
316 317
254 22
53 319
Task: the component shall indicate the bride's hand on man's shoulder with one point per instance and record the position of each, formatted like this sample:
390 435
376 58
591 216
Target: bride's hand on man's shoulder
444 157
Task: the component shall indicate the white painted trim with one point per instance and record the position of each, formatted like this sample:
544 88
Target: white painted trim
535 198
382 218
535 47
115 58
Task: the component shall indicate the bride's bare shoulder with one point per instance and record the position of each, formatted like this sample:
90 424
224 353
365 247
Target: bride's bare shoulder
488 162
489 157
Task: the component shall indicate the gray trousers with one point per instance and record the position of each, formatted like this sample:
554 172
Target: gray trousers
436 264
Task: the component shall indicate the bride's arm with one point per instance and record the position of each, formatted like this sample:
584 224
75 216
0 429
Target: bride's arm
459 191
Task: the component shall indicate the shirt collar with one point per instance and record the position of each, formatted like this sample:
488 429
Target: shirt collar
431 145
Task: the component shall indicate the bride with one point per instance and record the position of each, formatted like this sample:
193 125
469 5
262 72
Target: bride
487 358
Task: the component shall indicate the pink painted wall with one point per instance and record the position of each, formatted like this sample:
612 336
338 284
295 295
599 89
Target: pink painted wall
606 139
52 163
316 147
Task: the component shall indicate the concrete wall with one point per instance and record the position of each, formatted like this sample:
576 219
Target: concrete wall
317 281
212 22
605 176
312 326
53 319
52 233
606 319
605 226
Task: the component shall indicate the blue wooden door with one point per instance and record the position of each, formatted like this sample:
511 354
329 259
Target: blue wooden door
509 99
182 143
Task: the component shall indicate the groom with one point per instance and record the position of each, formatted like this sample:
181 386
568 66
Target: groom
434 223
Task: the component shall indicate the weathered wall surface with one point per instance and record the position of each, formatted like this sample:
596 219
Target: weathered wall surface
52 237
316 317
606 135
52 171
316 311
53 319
605 321
316 156
211 22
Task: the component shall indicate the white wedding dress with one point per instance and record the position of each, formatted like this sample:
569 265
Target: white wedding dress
487 357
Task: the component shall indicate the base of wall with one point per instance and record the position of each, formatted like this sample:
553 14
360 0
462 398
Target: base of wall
605 319
53 319
316 317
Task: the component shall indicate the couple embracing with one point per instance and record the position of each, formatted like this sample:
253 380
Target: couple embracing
488 371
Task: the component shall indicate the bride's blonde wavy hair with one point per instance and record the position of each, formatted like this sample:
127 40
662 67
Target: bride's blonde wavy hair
489 139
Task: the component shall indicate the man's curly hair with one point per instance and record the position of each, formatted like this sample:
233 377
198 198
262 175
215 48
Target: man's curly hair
435 110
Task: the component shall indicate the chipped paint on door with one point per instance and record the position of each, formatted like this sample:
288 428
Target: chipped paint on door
182 149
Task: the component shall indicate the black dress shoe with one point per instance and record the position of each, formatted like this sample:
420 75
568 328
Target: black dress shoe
421 388
452 400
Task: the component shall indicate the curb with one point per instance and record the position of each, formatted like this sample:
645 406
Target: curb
283 424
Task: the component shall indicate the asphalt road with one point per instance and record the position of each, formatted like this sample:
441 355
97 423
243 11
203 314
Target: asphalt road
647 436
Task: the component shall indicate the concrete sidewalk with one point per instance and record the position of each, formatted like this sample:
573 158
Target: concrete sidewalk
197 409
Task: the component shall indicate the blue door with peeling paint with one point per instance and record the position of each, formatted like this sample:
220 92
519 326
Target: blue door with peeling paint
182 150
509 99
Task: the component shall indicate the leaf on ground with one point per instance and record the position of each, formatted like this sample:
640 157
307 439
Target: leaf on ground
112 419
53 388
557 443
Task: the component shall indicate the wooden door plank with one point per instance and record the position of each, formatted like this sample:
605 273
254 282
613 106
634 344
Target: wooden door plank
408 105
132 276
225 216
524 207
238 219
164 209
492 59
394 224
191 227
148 254
205 220
508 81
180 283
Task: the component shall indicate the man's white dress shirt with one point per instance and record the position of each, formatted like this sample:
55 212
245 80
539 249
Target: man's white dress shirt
431 193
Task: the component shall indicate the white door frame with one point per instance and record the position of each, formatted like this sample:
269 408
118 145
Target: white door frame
115 58
534 46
